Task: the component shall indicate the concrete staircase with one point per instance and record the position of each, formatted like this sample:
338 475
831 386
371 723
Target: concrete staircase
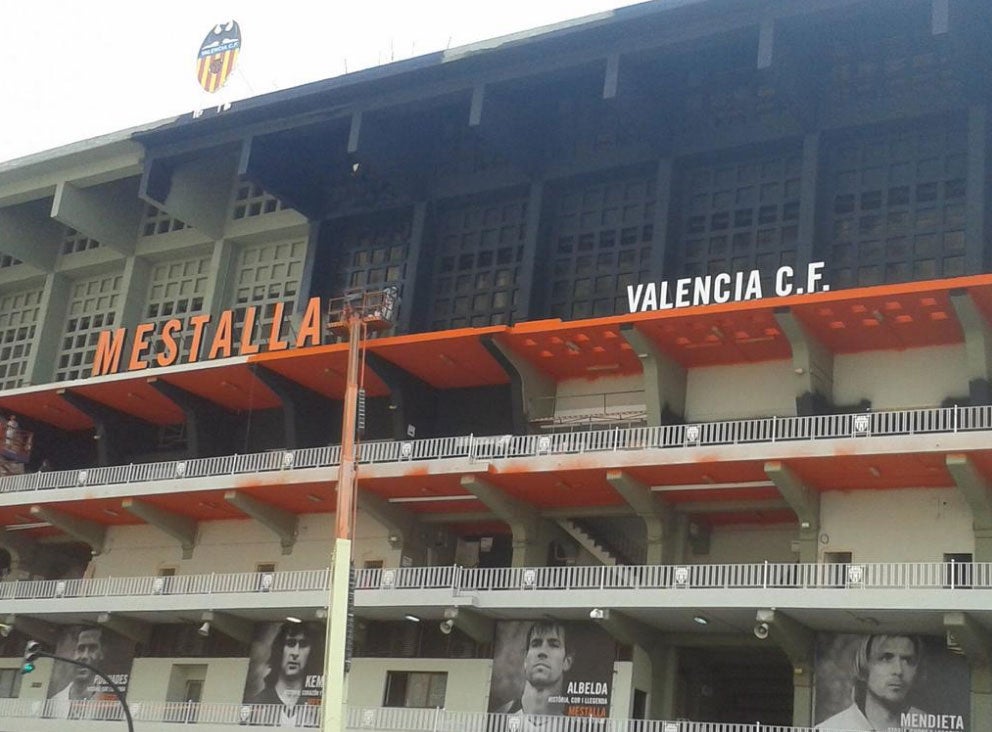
593 544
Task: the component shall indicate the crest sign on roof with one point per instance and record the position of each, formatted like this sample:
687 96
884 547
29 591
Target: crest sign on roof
217 55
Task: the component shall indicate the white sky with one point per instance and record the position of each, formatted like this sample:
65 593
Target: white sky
75 69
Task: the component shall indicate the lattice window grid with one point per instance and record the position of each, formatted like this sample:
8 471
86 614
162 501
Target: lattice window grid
176 291
250 201
376 256
18 322
266 274
156 221
740 215
898 207
74 242
477 267
92 309
601 243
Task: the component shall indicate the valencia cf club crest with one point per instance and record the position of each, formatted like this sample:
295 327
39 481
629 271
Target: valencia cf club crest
217 56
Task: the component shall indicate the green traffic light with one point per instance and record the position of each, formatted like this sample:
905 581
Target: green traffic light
27 668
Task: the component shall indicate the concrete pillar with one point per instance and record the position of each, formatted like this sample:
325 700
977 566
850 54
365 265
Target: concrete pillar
796 640
664 676
530 534
649 509
664 379
804 501
812 366
51 322
664 661
978 346
532 391
976 642
977 491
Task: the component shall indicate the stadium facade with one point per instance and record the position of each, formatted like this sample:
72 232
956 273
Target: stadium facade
684 413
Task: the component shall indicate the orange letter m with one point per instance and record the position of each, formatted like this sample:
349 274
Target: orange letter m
108 352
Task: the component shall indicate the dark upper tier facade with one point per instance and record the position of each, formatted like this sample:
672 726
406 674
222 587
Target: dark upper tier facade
539 176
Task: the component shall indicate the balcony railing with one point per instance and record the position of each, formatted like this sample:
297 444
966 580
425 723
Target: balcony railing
734 432
459 580
192 584
382 719
915 576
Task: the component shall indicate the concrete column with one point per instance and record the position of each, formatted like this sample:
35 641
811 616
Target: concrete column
978 346
526 307
977 491
282 523
84 530
812 366
532 391
802 499
663 205
976 642
664 379
649 509
976 221
411 401
808 202
215 298
413 277
48 335
405 532
796 640
181 528
110 213
197 191
530 537
664 676
664 661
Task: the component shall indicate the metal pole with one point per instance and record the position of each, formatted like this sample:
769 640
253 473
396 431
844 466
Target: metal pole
335 675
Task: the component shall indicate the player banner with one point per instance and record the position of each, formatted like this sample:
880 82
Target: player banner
552 667
878 682
72 686
285 681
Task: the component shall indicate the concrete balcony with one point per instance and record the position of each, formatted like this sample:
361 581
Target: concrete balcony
936 430
40 716
161 596
667 597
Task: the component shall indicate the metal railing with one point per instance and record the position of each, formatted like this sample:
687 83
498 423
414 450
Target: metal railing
474 448
914 575
192 584
382 719
457 580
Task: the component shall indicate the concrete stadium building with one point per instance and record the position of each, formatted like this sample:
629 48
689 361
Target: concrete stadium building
683 421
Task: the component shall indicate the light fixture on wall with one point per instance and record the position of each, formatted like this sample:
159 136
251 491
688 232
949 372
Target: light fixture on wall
412 618
204 629
700 619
